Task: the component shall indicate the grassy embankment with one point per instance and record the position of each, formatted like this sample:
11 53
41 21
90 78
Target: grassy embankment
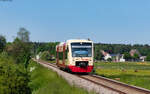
132 73
45 81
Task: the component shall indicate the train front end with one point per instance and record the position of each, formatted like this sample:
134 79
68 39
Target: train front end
80 56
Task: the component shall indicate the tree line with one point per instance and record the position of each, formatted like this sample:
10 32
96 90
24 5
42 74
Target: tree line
144 50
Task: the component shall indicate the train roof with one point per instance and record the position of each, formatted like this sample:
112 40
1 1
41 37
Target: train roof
78 40
63 44
73 40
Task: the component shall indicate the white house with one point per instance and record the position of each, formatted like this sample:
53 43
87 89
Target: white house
142 58
107 56
114 57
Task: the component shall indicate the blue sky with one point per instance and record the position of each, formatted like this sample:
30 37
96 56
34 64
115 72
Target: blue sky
105 21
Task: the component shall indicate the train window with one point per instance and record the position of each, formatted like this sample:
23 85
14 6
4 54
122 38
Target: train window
66 53
81 50
60 55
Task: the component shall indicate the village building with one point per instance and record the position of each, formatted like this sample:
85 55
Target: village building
143 58
106 55
134 51
114 57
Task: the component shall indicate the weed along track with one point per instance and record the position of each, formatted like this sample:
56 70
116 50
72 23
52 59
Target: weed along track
96 83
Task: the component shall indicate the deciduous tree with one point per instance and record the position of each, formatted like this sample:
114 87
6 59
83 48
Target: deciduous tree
2 43
23 35
127 56
148 57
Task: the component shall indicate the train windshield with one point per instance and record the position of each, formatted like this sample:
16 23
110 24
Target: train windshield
81 49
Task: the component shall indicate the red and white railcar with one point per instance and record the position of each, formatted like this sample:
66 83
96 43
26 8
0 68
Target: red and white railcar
75 55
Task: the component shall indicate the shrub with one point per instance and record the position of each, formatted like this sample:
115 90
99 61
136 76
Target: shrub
109 59
148 57
45 55
13 78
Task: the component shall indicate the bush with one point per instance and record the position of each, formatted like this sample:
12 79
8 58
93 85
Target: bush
109 59
13 78
14 61
127 56
20 51
148 57
45 55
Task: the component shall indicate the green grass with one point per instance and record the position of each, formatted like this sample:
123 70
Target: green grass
137 74
54 61
45 81
123 65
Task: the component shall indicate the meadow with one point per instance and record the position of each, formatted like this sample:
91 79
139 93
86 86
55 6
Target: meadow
45 81
132 73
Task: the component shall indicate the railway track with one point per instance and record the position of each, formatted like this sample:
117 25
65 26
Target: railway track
110 86
119 87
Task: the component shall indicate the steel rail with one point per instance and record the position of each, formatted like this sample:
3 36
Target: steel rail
143 90
105 86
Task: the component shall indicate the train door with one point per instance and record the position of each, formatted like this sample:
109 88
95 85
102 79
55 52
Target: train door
61 56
